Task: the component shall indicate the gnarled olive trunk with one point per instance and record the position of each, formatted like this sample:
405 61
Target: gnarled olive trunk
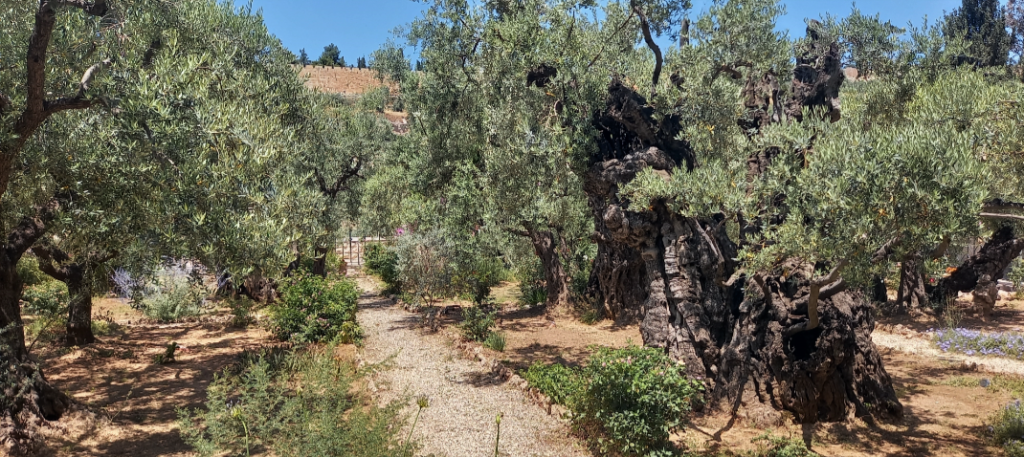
670 271
991 261
912 293
545 245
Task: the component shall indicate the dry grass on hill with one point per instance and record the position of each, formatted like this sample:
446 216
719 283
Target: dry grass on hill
339 80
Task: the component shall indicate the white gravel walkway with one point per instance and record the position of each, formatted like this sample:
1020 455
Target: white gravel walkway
464 397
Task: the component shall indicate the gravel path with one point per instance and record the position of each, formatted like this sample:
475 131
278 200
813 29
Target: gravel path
464 397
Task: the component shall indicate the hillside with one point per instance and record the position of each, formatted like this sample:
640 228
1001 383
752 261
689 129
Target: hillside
340 80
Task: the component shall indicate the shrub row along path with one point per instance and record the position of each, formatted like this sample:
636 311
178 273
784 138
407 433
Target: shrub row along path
464 397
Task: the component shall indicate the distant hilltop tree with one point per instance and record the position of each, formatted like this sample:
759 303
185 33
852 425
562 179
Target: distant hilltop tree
303 58
361 62
982 26
331 56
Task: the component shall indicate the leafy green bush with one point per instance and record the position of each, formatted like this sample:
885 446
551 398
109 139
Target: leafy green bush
425 267
29 272
770 445
173 296
531 285
476 323
383 262
45 299
242 310
311 309
625 401
482 275
636 397
1008 429
557 381
261 410
495 341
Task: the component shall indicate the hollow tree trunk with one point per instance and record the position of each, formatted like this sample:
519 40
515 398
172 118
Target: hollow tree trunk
912 294
670 271
545 245
320 263
879 293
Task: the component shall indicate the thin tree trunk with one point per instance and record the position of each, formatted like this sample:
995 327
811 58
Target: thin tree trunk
545 244
79 326
912 294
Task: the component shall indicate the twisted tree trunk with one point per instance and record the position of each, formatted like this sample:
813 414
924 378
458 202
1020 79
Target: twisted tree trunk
912 293
993 258
670 271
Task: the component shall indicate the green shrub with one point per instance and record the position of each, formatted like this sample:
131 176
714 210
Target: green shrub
29 272
635 397
382 261
242 310
531 285
482 275
46 299
311 309
425 267
173 299
495 341
261 410
476 323
770 445
1007 427
557 381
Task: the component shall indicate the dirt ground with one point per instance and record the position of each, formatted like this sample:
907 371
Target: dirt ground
131 401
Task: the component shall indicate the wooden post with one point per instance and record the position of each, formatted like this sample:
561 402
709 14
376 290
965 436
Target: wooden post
350 258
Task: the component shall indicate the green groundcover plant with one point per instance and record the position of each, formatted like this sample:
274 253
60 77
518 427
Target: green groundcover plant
313 309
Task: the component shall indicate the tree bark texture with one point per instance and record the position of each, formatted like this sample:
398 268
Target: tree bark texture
993 258
669 271
912 293
545 245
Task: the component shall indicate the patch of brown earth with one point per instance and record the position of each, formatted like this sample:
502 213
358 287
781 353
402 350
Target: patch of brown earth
134 400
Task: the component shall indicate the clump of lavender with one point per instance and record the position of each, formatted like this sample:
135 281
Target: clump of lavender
1008 428
124 284
974 342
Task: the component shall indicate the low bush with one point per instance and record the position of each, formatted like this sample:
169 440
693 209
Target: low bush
557 381
261 410
45 299
311 309
242 312
175 292
481 276
29 272
636 397
974 342
476 323
382 261
626 401
1007 428
770 445
495 341
531 285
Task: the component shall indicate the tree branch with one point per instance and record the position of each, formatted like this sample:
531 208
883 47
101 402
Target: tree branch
885 250
1001 205
341 183
51 257
96 8
645 27
1002 216
31 228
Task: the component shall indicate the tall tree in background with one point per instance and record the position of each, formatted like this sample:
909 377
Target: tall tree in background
982 24
331 56
1015 21
303 57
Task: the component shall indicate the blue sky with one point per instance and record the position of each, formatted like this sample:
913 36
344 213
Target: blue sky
359 27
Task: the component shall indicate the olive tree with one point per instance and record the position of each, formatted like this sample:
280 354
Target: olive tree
129 130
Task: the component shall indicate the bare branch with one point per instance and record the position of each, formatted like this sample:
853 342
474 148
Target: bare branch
341 183
645 27
885 250
1002 216
50 260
